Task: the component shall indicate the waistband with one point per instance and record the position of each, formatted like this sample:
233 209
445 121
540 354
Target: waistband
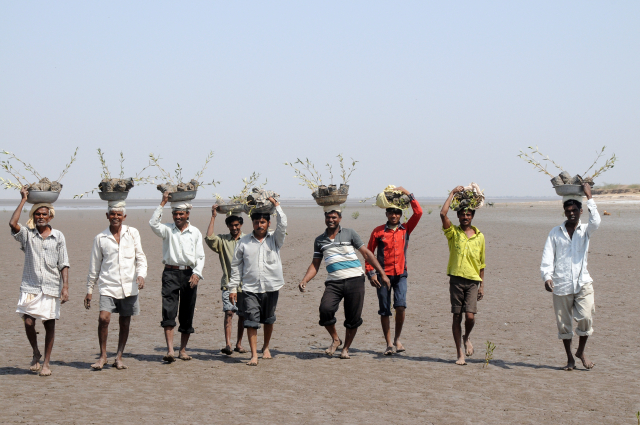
167 266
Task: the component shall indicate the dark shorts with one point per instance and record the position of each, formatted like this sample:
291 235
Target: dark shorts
127 306
178 299
352 290
399 287
259 308
227 305
464 294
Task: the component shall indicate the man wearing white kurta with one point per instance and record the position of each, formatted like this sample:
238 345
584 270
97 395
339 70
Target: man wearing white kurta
183 259
119 266
564 272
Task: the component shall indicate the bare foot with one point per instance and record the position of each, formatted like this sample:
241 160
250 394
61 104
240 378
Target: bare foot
182 355
345 354
266 354
388 351
585 362
333 347
467 346
227 350
399 347
253 361
35 363
119 365
99 364
460 361
170 357
45 371
239 349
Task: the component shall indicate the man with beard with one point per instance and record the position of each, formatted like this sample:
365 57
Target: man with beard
466 273
257 264
345 278
183 259
564 272
45 276
225 246
119 266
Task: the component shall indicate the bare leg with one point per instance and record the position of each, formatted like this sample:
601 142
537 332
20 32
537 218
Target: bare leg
239 348
184 339
335 340
571 362
456 327
400 314
268 330
103 332
386 331
168 336
50 329
252 334
228 322
468 326
580 353
125 323
348 339
32 336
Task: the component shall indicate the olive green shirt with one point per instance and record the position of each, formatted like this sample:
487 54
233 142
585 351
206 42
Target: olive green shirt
225 246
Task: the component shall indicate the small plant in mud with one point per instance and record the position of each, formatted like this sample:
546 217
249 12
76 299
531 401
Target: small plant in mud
355 215
429 211
40 183
488 356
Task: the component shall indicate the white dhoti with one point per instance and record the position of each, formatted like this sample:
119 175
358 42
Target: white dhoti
40 306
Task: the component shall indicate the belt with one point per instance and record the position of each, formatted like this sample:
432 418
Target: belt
166 266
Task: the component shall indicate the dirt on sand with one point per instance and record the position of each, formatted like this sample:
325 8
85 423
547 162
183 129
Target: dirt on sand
523 384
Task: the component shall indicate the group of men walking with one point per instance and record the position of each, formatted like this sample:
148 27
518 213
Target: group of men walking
252 275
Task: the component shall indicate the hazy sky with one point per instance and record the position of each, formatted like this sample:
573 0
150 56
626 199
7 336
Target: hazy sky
427 95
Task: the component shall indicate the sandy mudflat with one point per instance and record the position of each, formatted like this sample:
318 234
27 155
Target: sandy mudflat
300 385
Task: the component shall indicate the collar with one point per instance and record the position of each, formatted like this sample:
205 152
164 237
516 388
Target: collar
240 237
478 233
107 233
564 227
254 236
326 231
51 235
400 226
187 229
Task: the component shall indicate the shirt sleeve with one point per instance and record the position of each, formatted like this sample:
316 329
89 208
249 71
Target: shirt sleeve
281 228
548 258
594 217
199 256
21 236
450 232
482 250
141 258
213 242
317 249
155 224
63 257
355 240
94 265
371 246
417 214
237 267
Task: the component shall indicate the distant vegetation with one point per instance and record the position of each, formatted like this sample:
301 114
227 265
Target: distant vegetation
613 186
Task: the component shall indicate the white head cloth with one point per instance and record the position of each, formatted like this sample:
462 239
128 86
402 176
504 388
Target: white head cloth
329 208
117 204
182 205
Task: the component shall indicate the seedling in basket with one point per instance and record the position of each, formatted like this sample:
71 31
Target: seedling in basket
37 182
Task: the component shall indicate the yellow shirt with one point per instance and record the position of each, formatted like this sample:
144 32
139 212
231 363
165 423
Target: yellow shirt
466 255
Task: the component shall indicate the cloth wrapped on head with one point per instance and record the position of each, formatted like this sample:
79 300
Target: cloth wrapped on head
30 223
572 197
329 208
180 206
116 204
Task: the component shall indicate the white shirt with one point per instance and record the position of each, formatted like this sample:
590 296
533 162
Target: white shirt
179 248
116 267
564 259
257 263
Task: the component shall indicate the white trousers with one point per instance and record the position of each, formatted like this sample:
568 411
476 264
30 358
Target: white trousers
579 307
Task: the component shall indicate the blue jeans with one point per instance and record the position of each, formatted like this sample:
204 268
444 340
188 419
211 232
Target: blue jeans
399 287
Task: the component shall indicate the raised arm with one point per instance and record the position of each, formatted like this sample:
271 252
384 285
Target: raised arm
594 216
415 207
281 227
310 274
13 222
446 223
156 218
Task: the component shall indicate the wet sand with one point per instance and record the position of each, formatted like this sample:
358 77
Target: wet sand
523 384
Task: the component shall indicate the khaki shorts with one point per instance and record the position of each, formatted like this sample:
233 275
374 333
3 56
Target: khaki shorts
464 294
579 307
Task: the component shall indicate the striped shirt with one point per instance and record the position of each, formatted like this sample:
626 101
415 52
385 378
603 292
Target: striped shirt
339 254
43 261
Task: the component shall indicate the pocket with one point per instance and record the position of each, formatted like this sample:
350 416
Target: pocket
271 257
129 252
